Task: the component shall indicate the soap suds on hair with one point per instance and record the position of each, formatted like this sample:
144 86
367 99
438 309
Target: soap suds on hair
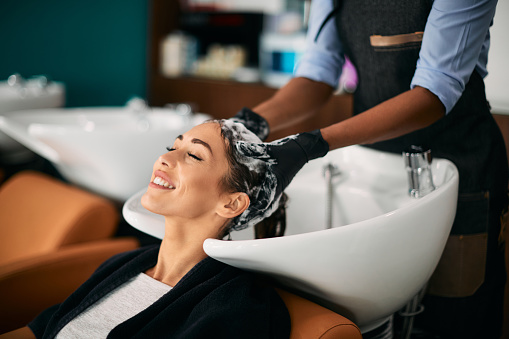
252 153
242 135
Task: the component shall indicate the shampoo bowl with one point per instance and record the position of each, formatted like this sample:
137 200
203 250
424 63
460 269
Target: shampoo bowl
109 151
382 249
31 96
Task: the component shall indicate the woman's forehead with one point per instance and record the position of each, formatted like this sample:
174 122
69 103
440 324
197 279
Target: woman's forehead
209 132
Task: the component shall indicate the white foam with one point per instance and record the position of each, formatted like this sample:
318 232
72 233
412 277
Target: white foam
252 153
242 135
240 131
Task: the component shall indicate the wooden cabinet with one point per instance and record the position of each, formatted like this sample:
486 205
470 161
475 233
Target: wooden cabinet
221 99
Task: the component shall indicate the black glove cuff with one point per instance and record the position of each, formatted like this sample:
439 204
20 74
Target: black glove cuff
313 144
253 122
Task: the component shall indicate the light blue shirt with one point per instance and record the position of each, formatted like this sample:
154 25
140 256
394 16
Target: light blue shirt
456 41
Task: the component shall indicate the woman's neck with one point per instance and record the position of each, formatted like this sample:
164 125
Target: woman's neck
181 249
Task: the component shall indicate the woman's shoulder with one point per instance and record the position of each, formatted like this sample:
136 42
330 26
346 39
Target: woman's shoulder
236 284
250 286
232 291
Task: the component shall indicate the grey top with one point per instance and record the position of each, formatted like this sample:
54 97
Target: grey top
116 307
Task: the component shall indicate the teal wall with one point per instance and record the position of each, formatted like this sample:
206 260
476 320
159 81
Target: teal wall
98 48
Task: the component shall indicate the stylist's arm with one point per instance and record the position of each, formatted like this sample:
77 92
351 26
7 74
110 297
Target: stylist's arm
300 98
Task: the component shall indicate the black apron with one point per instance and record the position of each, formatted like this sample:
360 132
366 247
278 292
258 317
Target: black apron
472 266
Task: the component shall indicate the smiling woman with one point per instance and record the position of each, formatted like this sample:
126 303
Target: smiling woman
204 188
191 196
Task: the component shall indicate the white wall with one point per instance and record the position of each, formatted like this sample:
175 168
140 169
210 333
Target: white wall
497 81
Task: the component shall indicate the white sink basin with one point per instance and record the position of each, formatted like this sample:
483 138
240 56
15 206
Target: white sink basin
383 248
31 96
107 150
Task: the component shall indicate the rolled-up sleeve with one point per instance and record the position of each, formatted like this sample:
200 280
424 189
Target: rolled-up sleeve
455 42
324 58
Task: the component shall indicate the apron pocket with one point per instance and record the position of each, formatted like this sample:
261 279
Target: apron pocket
462 267
388 43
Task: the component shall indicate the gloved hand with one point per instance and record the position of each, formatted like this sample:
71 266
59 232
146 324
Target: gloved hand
253 122
285 157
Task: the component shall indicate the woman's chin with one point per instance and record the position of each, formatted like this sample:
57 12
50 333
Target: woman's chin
146 202
154 204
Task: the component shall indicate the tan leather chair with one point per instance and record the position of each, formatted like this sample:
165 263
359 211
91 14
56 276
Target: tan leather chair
52 237
312 321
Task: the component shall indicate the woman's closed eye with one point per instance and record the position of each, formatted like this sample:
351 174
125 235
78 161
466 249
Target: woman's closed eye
195 157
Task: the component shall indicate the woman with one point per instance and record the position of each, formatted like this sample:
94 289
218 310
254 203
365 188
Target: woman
203 188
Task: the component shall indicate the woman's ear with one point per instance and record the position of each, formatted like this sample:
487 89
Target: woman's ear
233 205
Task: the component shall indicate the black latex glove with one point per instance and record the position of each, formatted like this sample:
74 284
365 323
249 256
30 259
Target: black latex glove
253 122
288 155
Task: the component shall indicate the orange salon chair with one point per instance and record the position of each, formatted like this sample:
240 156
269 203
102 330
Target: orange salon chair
312 321
52 237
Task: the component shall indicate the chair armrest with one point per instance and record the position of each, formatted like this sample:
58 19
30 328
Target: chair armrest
52 216
20 333
29 286
310 320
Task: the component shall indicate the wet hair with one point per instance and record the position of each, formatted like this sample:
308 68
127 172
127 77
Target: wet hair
240 178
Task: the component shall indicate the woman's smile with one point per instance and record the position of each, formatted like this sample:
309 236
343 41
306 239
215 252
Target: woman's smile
162 181
159 182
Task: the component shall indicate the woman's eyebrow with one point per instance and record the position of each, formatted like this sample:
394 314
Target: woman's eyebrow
197 141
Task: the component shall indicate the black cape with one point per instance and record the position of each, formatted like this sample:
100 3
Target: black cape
213 300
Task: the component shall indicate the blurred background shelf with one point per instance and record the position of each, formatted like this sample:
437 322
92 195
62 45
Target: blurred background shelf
219 98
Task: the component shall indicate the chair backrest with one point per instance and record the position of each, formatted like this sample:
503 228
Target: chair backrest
39 214
312 321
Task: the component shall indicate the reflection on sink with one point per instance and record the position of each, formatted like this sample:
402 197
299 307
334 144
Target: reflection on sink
32 95
107 150
383 248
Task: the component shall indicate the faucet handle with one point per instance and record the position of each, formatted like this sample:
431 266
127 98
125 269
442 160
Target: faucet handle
16 80
40 81
18 84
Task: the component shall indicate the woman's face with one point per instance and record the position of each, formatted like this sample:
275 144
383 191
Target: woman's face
185 181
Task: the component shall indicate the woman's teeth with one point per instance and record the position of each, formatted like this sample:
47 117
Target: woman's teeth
161 182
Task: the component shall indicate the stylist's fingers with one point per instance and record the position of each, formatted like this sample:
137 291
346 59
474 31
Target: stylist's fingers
283 141
253 122
252 150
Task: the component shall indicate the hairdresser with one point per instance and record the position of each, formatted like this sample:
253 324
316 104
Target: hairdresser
414 89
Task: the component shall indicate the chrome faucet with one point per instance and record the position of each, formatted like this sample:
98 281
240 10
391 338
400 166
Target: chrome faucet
41 82
33 87
418 166
18 83
15 80
329 172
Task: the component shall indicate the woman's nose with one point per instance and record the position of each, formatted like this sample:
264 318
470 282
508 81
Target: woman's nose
167 160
